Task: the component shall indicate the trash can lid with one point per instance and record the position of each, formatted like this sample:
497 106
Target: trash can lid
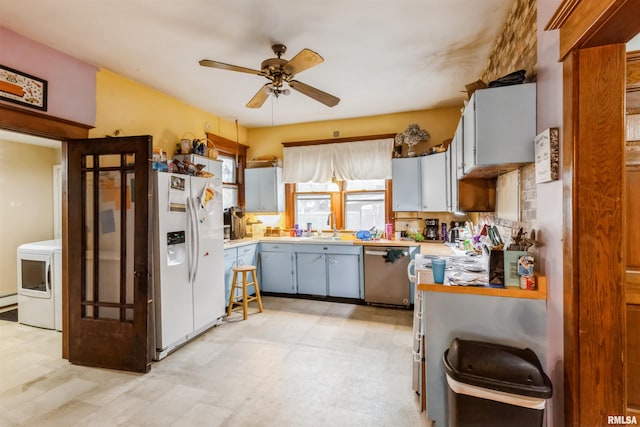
497 367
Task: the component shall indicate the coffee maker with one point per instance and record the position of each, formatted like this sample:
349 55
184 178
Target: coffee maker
234 218
431 229
454 232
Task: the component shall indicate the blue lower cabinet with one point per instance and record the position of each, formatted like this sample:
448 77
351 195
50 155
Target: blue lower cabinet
242 255
230 261
344 275
311 273
277 268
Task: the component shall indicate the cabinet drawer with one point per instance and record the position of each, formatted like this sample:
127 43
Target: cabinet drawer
332 249
276 247
248 250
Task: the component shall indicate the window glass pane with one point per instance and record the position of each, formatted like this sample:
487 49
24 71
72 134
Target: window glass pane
229 196
228 169
364 210
313 208
368 184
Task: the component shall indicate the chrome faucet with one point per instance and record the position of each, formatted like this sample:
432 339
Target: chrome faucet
331 223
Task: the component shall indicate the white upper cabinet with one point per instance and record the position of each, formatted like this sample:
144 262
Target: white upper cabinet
420 184
499 125
406 193
434 182
264 190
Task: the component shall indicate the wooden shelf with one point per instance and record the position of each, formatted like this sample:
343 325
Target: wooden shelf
508 292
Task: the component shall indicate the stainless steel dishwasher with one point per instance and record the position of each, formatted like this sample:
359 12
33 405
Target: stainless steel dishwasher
385 275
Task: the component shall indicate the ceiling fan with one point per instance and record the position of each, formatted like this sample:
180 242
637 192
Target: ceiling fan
279 71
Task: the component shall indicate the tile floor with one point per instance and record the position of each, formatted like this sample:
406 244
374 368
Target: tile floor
300 363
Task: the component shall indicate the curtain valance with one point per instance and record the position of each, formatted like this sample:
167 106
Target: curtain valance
345 161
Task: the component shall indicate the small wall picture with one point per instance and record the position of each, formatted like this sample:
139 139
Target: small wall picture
22 88
547 155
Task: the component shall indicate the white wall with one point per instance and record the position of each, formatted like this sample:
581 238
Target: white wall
550 206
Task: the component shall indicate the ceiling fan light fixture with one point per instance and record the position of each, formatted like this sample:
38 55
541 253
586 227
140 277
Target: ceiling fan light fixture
278 71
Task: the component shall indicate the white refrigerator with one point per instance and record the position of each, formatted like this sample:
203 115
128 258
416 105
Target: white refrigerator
188 259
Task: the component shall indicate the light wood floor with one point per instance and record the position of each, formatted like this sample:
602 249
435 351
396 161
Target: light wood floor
300 363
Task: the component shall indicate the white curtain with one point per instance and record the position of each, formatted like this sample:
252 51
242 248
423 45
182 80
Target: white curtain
346 161
311 163
362 160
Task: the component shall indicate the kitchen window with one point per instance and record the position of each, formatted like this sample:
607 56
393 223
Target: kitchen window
364 204
356 205
229 182
233 156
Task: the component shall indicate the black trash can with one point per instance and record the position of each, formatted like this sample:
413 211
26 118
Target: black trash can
494 385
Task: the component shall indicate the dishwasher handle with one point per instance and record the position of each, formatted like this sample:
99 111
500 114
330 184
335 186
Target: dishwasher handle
382 253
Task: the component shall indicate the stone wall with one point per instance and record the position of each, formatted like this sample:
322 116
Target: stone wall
516 49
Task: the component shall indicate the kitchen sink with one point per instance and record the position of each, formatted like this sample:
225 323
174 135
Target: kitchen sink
325 238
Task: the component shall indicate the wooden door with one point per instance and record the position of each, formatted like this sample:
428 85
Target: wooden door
632 235
108 252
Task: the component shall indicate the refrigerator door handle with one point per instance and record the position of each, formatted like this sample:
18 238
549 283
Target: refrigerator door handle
190 239
196 238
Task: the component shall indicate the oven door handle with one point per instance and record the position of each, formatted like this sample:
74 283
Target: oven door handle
49 277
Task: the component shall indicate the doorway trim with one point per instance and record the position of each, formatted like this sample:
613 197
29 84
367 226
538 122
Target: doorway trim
33 123
593 34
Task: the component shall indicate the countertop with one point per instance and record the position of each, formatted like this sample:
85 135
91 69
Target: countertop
331 241
440 249
509 291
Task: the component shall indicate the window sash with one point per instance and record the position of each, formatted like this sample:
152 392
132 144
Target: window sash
374 217
338 204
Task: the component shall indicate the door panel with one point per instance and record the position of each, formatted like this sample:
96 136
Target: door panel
108 252
344 275
312 274
632 257
276 270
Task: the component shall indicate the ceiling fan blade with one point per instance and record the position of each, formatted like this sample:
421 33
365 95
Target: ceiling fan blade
223 66
312 92
306 58
259 98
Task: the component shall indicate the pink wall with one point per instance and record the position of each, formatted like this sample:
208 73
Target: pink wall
71 82
549 206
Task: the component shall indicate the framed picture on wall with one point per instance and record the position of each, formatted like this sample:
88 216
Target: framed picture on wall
22 88
547 154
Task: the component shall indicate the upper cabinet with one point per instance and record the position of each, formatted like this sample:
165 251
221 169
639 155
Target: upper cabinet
264 189
406 189
498 127
420 183
434 182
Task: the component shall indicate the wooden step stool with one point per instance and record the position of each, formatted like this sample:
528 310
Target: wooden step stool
244 284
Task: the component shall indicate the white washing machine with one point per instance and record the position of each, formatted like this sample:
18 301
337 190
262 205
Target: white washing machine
40 284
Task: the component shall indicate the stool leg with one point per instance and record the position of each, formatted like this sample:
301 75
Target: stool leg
233 291
245 303
257 288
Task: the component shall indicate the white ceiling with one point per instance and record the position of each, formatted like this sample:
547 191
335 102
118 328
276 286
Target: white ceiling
381 56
